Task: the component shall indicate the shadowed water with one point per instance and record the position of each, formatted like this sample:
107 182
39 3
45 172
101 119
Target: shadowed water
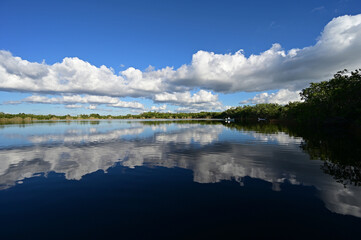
186 179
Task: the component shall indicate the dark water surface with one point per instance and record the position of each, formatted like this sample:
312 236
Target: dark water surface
186 180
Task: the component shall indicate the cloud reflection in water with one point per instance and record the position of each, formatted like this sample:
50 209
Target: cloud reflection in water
213 152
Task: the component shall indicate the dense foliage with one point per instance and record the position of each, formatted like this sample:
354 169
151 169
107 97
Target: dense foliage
264 110
336 101
22 117
337 98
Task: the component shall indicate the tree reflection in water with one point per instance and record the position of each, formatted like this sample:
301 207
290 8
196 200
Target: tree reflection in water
338 148
339 151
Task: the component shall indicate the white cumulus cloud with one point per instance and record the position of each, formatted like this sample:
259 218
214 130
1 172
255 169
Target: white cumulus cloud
92 107
186 98
337 47
159 109
73 106
283 96
199 101
86 99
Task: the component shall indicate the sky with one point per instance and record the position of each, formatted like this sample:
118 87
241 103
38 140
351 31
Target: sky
127 57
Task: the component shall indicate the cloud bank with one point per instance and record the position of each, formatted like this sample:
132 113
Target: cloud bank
337 47
283 96
199 101
72 101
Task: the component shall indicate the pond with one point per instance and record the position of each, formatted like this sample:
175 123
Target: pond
176 179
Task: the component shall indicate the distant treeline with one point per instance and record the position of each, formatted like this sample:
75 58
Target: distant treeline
336 101
22 117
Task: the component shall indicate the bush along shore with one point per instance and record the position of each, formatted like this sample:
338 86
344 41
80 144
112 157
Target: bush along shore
333 102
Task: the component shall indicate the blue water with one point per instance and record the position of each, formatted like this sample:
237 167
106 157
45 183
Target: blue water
166 180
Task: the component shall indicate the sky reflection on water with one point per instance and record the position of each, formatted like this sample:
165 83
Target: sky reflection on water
212 151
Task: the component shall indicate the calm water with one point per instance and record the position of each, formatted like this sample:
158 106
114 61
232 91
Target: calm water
187 180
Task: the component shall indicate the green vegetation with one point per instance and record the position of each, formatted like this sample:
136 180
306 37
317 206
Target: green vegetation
336 99
336 102
264 110
6 118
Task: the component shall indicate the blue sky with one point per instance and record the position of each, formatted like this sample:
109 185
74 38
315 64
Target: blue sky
285 45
